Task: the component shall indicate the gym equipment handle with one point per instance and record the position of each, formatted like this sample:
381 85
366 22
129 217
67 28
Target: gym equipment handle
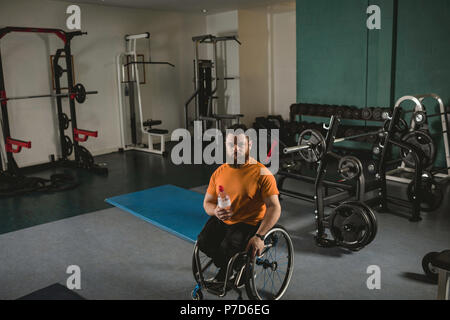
85 133
19 143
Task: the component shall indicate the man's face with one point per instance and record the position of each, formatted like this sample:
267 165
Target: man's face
237 148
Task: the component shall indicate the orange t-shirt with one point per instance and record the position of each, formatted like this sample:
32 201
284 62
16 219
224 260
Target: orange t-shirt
247 187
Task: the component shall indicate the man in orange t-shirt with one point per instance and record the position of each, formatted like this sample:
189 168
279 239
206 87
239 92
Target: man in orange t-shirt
255 207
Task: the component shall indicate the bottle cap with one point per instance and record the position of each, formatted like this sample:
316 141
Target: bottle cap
221 189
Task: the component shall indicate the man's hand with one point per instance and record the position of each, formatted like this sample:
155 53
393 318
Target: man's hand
222 214
255 245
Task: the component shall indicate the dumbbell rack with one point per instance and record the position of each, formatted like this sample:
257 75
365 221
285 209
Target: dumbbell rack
83 158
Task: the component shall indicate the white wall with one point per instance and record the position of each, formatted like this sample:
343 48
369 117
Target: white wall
283 58
223 24
268 60
26 69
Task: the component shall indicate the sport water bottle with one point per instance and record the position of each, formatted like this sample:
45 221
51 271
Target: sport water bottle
223 201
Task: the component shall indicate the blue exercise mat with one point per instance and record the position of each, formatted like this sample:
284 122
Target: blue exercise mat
173 209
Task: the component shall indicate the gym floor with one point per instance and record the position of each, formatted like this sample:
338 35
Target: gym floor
124 257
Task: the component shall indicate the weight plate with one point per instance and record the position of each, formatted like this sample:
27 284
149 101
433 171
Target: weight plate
86 160
350 226
316 143
372 217
68 146
349 167
356 113
424 142
348 113
430 192
377 114
80 93
366 113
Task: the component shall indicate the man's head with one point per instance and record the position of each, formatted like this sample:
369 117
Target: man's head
237 144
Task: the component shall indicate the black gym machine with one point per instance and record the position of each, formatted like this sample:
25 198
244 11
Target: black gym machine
76 93
352 223
204 91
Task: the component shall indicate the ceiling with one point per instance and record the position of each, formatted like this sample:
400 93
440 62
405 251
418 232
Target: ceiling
194 6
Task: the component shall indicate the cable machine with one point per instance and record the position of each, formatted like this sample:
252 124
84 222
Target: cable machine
132 124
205 86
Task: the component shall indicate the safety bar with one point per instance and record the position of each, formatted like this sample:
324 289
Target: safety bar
19 143
85 133
64 36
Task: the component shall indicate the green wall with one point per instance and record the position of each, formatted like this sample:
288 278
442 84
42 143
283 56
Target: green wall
340 61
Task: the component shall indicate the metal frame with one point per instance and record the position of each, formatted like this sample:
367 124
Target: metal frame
130 50
11 166
393 175
198 83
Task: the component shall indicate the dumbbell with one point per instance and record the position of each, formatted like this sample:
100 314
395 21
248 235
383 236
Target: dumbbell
322 110
330 110
348 113
356 113
366 113
377 114
303 109
340 110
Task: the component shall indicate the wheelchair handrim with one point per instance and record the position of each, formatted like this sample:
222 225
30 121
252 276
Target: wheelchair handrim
288 273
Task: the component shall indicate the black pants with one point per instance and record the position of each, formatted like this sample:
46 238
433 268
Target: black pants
221 242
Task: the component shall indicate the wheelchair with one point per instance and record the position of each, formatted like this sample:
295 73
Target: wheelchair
265 277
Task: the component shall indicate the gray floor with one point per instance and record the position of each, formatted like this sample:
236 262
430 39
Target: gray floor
124 257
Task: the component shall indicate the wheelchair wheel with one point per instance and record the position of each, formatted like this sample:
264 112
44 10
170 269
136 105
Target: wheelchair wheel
207 267
268 275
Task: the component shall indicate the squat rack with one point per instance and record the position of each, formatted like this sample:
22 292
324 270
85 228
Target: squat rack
83 158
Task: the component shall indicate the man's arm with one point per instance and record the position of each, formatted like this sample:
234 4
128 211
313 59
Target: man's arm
273 212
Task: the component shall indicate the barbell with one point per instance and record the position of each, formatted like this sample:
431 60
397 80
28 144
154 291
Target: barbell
312 145
79 94
419 117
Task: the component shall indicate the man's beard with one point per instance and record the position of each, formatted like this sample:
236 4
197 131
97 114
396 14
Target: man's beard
235 163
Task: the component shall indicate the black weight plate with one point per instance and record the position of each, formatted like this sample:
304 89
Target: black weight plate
377 114
86 159
430 192
80 93
348 113
322 110
316 143
68 146
372 217
356 113
350 226
423 141
366 113
349 167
